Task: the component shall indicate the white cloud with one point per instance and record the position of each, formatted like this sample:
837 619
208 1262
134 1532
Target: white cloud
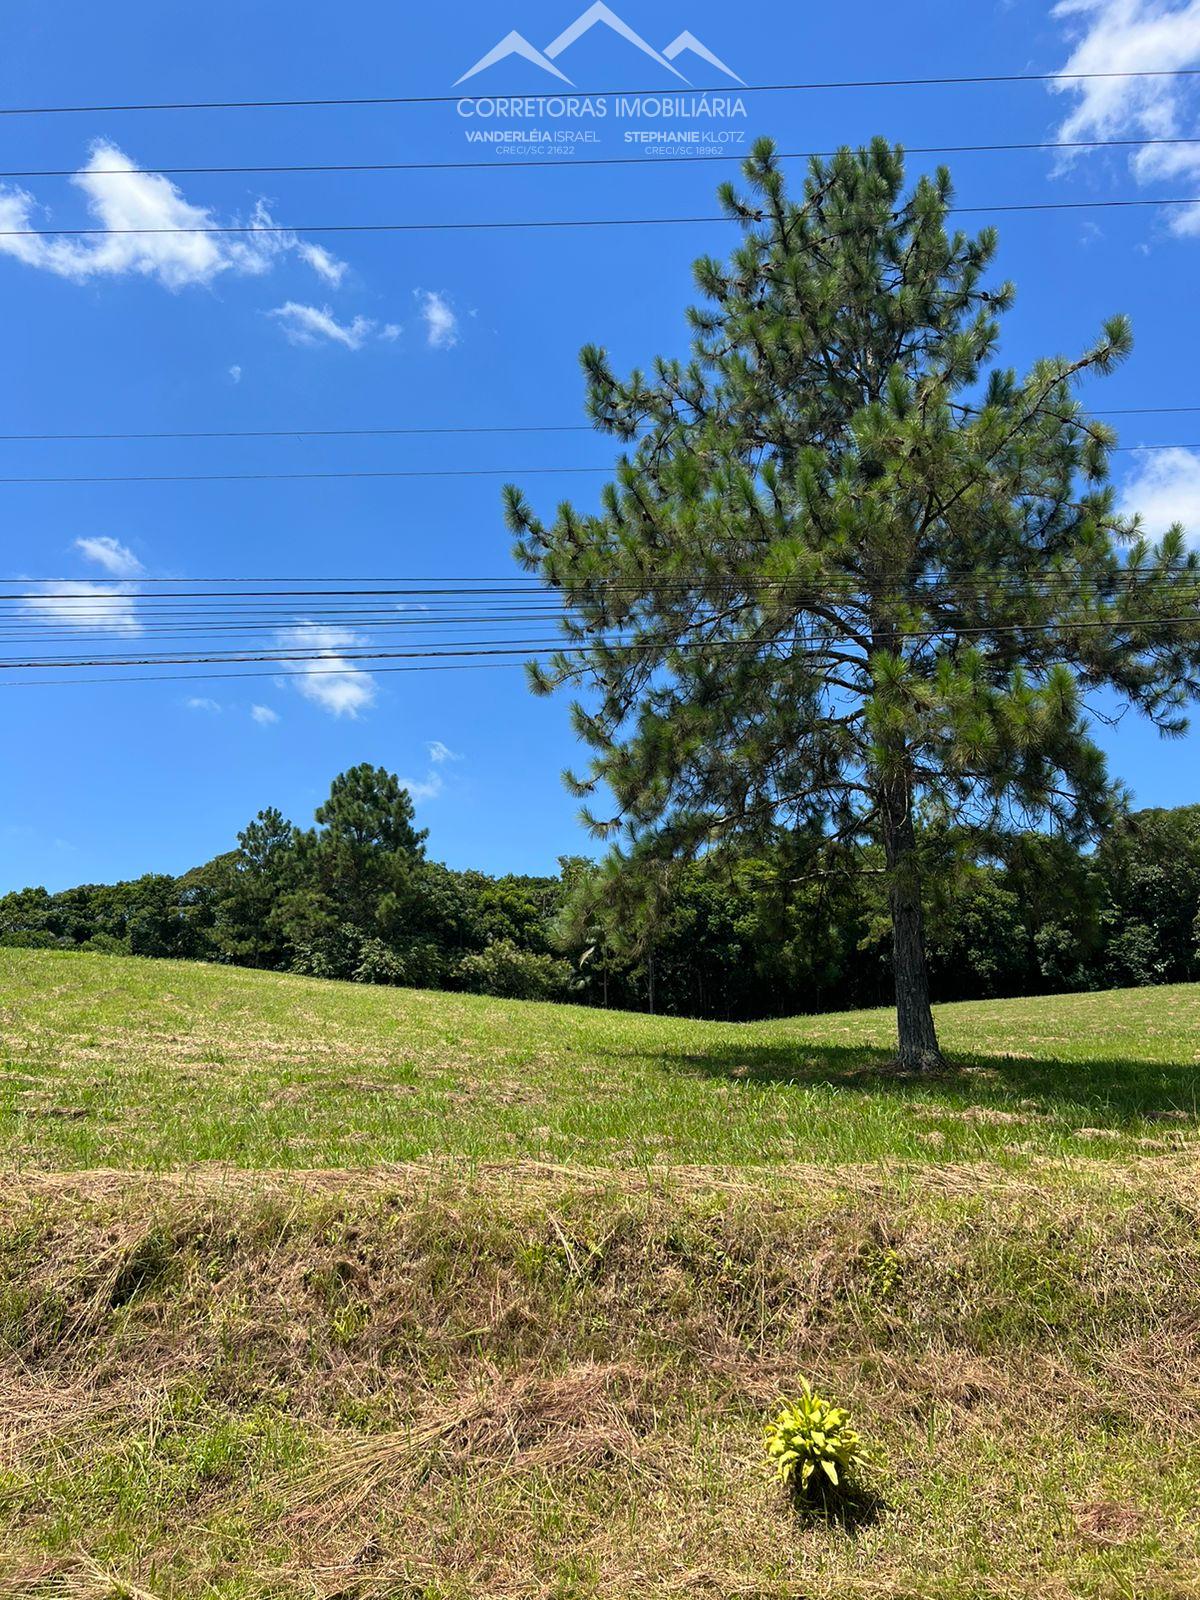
264 716
121 197
311 324
1118 36
322 263
431 785
100 607
423 788
441 323
112 555
200 702
1164 488
97 607
330 681
235 374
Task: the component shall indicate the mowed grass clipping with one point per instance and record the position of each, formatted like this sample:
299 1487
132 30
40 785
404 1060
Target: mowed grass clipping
537 1386
112 1062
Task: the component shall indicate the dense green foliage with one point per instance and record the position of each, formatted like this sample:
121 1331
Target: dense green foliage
356 898
853 579
812 1445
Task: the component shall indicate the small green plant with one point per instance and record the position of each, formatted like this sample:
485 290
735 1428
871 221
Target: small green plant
813 1445
886 1274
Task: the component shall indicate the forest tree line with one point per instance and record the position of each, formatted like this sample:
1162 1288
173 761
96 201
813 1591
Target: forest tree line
356 897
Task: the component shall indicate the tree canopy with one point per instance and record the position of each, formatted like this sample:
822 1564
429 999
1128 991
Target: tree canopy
853 579
731 938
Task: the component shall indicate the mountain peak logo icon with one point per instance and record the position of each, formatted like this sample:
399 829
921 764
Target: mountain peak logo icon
688 41
512 44
597 13
515 44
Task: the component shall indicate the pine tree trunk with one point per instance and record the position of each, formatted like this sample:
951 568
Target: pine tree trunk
918 1046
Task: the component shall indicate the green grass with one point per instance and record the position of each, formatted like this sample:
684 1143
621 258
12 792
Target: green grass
115 1062
534 1362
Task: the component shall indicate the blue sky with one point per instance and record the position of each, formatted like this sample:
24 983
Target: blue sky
343 331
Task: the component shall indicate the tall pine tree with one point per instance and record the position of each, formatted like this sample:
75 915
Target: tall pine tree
852 580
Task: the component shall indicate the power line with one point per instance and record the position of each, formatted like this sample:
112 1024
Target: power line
448 648
413 472
298 626
280 477
361 632
452 590
292 642
209 677
500 225
451 430
60 615
720 89
560 165
312 433
345 659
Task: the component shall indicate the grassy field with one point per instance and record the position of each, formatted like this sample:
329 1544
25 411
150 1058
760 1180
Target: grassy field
113 1062
314 1290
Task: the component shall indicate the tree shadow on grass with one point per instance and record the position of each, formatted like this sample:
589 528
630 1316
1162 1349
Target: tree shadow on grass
1113 1092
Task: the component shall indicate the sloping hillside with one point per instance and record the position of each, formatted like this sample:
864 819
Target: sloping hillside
116 1062
435 1298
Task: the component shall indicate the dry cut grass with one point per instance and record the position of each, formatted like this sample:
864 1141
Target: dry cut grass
535 1383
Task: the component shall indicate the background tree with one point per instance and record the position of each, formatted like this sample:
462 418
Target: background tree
358 874
1150 868
259 874
848 579
735 936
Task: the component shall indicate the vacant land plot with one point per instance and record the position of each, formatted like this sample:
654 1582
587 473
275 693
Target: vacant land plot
514 1329
111 1062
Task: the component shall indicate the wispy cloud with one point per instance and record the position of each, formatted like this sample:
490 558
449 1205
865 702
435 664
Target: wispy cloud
264 716
112 555
432 784
423 788
439 317
322 263
201 702
1164 488
235 374
98 607
120 196
80 604
304 324
330 681
1121 36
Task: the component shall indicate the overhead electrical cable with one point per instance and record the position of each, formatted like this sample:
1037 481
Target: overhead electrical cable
575 162
348 661
447 591
510 225
386 473
385 431
812 86
932 586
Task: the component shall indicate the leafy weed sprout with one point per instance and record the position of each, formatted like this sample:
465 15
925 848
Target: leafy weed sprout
813 1446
